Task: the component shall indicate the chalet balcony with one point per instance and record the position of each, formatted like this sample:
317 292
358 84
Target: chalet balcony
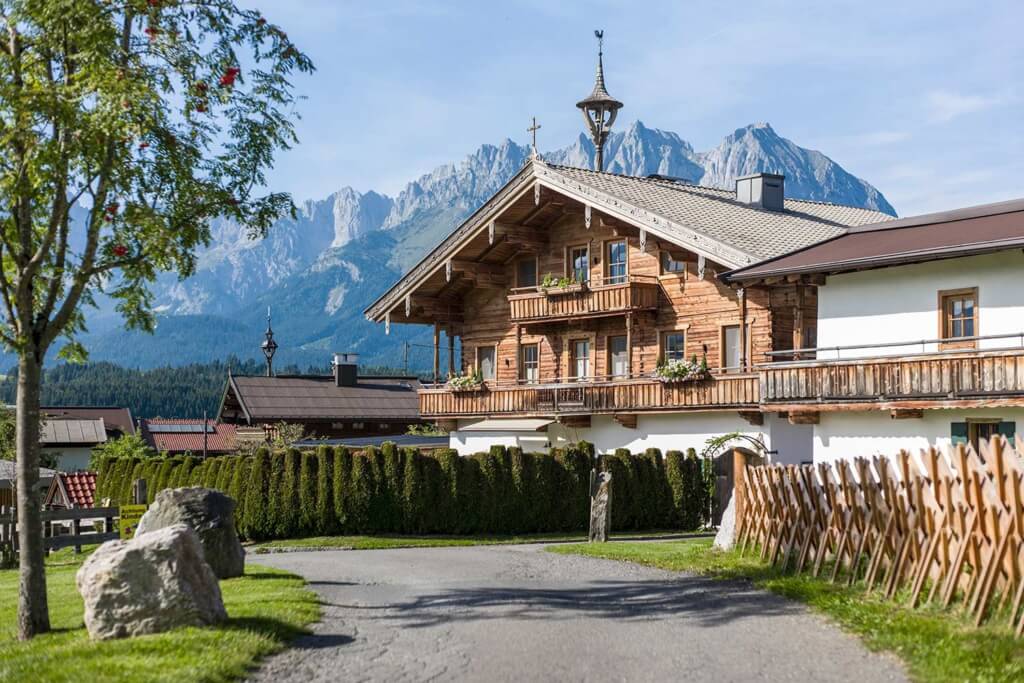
644 394
590 300
954 378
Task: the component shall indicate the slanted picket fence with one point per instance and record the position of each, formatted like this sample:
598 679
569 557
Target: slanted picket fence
944 528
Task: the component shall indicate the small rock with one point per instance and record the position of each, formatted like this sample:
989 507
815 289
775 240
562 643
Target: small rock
211 514
150 584
726 536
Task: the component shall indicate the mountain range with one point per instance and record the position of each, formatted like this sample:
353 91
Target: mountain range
319 270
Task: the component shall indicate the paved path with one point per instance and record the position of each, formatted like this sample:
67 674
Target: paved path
519 613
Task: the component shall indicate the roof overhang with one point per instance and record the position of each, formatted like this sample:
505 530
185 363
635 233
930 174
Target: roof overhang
535 172
495 424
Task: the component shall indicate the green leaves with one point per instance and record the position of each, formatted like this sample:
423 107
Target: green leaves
153 118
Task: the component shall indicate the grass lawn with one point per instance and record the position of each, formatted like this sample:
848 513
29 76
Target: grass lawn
267 608
387 542
936 645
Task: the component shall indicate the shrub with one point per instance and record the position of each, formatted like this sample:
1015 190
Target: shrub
309 511
360 490
341 493
256 521
237 487
198 475
326 522
451 491
415 498
676 477
392 485
227 471
275 501
181 476
288 506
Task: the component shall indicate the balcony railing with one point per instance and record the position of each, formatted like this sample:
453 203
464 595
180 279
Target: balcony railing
730 391
919 380
598 298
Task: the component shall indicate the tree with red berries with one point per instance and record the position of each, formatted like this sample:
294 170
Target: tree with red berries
106 113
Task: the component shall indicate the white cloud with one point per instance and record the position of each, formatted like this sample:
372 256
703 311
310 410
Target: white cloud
946 106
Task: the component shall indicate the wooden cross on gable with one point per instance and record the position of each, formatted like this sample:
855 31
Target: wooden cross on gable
532 130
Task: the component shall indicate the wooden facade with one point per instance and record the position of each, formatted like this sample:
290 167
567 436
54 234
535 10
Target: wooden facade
954 379
739 391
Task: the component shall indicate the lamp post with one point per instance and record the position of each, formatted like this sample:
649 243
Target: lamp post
269 346
599 108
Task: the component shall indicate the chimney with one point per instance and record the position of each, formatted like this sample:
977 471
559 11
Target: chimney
765 190
345 369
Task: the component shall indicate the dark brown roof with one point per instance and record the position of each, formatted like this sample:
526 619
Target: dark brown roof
186 435
114 419
315 397
963 232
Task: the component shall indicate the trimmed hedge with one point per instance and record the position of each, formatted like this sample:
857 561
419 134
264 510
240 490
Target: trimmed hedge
390 490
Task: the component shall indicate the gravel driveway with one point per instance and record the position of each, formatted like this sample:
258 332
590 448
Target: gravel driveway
518 613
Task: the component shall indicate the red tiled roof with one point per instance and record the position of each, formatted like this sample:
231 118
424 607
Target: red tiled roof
80 488
220 440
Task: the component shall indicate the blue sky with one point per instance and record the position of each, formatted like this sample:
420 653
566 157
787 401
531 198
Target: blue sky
925 100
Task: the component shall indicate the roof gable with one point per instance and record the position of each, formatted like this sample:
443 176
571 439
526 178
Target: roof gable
707 221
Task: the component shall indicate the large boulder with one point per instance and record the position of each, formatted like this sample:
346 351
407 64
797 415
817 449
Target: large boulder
211 514
149 584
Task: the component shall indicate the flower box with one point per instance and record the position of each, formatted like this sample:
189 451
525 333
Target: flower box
694 377
555 290
465 388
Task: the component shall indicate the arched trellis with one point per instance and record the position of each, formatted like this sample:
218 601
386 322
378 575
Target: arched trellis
713 448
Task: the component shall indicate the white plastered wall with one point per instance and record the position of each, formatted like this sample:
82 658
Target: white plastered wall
71 458
675 431
900 303
848 435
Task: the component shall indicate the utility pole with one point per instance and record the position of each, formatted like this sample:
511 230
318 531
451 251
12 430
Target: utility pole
405 358
205 434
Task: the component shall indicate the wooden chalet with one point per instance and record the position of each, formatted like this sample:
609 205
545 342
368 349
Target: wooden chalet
569 287
328 407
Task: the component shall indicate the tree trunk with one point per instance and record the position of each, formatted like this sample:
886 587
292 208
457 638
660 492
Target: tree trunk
33 613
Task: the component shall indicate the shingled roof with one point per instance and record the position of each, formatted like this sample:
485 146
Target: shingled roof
715 212
71 432
707 221
948 234
114 419
268 399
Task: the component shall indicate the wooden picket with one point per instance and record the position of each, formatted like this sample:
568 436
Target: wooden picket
945 527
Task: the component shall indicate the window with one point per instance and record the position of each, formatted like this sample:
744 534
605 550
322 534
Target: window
670 265
974 431
485 361
730 360
618 361
383 426
526 272
616 269
579 264
580 368
673 346
529 363
958 311
358 425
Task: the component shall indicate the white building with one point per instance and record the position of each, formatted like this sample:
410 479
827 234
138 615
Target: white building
920 333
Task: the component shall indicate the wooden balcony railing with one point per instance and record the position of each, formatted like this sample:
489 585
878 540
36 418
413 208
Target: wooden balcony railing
732 391
925 380
610 297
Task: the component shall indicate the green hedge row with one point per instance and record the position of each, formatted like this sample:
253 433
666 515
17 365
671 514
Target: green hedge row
389 490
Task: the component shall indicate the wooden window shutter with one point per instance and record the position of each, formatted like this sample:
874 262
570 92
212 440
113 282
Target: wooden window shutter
958 432
1008 429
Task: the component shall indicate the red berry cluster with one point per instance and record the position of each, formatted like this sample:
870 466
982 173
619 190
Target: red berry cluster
228 78
152 32
110 212
120 251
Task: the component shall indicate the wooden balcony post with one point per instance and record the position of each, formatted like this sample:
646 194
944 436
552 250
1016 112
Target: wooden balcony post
437 351
742 294
629 344
798 322
451 351
519 351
